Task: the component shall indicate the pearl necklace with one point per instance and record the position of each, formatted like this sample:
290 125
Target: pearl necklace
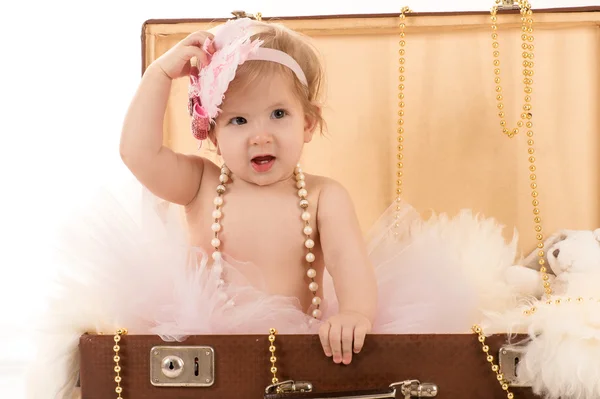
216 227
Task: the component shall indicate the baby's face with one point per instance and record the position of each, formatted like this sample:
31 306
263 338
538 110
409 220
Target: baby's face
262 130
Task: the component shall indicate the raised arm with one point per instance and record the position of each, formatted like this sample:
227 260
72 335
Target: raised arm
353 275
169 175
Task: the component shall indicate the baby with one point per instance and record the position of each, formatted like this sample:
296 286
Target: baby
272 243
255 95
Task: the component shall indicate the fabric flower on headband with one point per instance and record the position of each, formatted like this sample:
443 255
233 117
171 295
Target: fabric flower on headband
207 91
233 47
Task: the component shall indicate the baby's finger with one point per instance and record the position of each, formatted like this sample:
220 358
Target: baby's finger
347 335
324 337
335 340
201 57
197 38
360 332
211 47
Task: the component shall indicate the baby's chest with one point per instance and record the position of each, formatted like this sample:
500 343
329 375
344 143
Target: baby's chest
264 219
265 228
268 230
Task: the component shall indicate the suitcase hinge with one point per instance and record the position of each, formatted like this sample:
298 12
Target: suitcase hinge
237 14
508 5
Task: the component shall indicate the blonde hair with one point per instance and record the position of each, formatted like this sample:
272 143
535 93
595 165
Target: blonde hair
300 48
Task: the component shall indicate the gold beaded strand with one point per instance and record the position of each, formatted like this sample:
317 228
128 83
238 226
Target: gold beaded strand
490 359
525 120
527 46
273 359
401 104
525 117
117 359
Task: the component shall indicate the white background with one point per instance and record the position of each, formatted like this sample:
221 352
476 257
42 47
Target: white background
67 73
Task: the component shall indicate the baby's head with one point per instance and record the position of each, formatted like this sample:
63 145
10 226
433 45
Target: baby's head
301 50
271 108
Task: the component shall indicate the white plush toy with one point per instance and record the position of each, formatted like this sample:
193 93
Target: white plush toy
559 359
573 259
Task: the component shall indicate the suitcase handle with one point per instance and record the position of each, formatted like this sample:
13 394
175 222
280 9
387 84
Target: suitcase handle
303 390
291 389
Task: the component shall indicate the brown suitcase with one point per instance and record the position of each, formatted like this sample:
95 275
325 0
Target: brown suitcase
239 366
442 106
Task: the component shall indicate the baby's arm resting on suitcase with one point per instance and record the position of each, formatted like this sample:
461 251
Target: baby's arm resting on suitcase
347 260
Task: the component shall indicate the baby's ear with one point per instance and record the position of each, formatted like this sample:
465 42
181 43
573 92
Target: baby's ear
212 136
310 124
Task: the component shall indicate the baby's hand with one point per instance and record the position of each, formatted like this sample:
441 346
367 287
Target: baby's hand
175 63
344 333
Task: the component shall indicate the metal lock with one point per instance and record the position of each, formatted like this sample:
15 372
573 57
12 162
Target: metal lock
172 366
182 366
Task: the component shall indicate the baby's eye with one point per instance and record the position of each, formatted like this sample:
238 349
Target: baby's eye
238 120
278 113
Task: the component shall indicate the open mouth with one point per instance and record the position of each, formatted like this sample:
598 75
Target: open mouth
263 163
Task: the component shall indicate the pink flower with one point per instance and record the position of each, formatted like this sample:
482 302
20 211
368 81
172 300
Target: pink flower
200 121
207 91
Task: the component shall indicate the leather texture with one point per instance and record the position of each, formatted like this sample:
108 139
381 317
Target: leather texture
455 363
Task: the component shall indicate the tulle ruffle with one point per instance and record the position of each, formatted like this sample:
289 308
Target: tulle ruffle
128 264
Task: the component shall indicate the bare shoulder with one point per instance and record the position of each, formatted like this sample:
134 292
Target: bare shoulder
210 177
340 234
321 182
211 170
333 198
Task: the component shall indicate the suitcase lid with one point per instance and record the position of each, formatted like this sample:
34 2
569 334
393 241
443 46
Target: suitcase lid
455 155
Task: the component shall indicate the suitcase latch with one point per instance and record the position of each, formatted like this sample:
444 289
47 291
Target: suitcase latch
289 386
182 366
408 389
416 389
508 361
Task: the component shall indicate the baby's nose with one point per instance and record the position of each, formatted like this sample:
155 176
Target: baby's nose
262 138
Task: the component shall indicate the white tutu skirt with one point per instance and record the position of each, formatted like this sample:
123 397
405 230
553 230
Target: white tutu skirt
123 268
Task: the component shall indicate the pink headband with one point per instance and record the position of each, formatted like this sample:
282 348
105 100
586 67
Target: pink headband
233 47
